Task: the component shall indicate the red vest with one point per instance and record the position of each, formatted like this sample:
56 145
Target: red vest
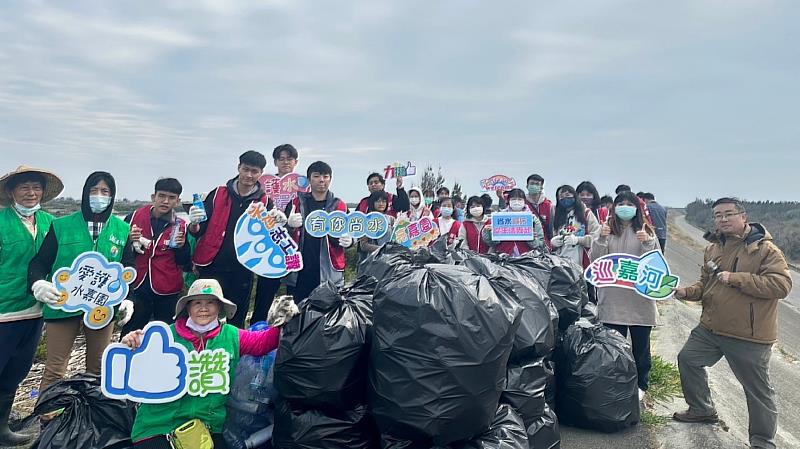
363 205
209 244
158 262
508 247
452 235
544 211
335 252
474 240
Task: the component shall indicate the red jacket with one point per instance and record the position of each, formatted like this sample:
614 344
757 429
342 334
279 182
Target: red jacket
335 252
544 211
157 263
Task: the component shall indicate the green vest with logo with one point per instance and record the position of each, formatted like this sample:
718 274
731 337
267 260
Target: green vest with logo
72 234
161 419
17 248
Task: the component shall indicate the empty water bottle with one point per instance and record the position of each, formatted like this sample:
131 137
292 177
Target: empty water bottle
176 228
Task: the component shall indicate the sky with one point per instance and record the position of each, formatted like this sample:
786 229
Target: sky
685 99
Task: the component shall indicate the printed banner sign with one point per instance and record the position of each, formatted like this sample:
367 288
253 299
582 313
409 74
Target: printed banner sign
320 223
497 182
512 226
263 246
284 189
417 234
398 170
92 285
648 275
161 370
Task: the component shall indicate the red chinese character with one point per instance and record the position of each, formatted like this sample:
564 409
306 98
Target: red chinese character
602 272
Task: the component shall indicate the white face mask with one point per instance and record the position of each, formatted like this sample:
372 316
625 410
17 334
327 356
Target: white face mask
517 204
99 203
26 211
476 211
201 329
414 201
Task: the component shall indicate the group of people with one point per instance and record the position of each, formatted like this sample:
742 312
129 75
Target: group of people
744 275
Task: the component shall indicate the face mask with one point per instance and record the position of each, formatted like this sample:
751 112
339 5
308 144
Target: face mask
625 212
587 201
201 329
446 211
534 189
567 202
414 201
517 204
428 201
27 211
99 203
476 211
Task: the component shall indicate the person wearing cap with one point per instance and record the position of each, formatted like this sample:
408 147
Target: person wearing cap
23 226
198 327
93 228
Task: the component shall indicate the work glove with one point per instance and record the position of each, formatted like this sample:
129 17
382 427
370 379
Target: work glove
295 220
278 216
345 241
557 241
196 215
570 240
142 244
125 312
281 311
45 292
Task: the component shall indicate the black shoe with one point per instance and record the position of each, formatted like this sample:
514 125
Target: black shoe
690 418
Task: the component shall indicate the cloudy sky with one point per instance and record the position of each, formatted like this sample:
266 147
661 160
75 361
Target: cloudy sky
683 98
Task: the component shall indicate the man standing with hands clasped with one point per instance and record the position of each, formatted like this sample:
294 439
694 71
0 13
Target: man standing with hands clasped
743 277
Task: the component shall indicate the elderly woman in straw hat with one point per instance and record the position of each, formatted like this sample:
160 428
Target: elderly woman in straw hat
23 226
198 326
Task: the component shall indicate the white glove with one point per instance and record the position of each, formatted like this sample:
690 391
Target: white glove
345 241
142 244
45 292
280 217
281 311
570 240
125 312
196 215
557 241
295 220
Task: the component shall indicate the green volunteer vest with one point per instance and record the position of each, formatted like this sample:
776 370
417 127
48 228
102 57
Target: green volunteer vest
161 419
17 248
73 237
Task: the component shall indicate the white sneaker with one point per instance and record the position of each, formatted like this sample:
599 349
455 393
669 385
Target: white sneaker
641 394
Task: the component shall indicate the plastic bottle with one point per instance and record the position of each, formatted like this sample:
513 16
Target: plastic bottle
197 202
174 234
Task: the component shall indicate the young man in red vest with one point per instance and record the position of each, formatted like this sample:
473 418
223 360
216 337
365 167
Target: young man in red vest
157 257
397 203
323 258
215 254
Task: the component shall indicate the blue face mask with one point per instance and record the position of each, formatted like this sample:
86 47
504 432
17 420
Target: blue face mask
625 212
567 202
26 211
99 203
446 211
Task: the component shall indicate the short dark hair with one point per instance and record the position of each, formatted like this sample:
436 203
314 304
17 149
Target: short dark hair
378 175
276 153
605 199
443 189
640 194
375 197
16 180
730 200
515 193
427 192
622 188
319 167
648 196
170 185
534 177
253 159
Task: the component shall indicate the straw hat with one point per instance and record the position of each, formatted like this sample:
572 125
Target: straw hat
53 186
206 289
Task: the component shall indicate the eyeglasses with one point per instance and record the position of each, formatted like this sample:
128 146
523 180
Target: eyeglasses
719 217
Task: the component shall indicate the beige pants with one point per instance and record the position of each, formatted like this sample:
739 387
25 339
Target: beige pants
61 336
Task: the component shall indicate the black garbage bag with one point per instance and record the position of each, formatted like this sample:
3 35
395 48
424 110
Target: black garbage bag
535 336
506 432
323 352
589 313
89 420
543 433
304 428
596 376
391 257
441 340
525 388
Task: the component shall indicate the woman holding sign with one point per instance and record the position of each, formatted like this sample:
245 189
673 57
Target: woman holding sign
516 203
93 228
624 310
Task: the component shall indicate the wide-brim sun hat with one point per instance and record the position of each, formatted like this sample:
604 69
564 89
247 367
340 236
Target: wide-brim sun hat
206 289
53 184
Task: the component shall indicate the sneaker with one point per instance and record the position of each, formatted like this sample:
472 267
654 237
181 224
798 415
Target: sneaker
690 418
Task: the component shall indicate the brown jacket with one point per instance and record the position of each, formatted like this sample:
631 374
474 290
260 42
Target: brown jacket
746 309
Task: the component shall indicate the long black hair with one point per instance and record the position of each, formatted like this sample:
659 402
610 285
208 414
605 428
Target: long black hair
589 187
562 212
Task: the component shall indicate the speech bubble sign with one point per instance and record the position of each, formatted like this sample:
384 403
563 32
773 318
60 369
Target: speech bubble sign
263 246
512 226
648 275
399 170
320 223
284 189
497 182
92 285
416 234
